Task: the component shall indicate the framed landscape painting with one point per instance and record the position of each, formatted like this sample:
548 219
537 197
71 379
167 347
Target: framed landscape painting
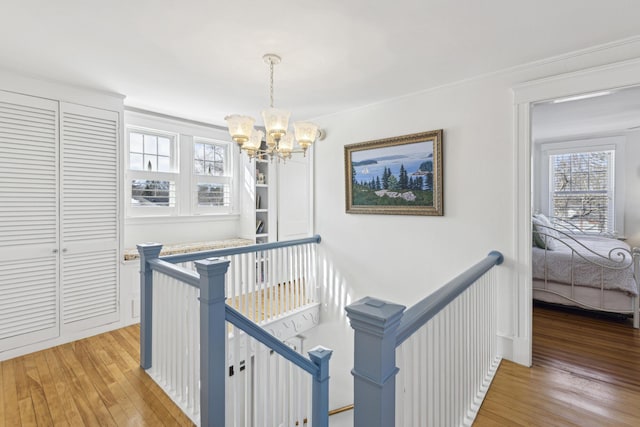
395 176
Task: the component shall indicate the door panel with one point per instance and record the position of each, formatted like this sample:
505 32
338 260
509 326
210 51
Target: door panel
89 217
28 220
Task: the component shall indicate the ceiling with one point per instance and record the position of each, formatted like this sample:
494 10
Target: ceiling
202 59
618 111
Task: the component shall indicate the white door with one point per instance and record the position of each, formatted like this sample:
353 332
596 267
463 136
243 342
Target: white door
89 216
29 261
295 198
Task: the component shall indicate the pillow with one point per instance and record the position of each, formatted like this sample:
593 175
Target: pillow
544 235
536 238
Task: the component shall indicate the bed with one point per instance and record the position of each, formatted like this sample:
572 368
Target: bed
584 270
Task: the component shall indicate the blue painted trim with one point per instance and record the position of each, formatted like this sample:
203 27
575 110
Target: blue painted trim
213 334
375 323
238 320
148 253
320 388
175 271
193 256
500 259
423 311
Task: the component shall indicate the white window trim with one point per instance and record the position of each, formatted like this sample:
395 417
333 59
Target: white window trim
227 179
614 143
135 211
187 132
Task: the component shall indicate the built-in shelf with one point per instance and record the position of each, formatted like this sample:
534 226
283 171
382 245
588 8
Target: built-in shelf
263 204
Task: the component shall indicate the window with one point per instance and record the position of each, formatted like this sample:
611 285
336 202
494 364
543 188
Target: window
178 168
150 153
582 189
152 174
211 175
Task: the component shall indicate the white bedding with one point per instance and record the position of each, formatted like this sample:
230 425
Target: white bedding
585 273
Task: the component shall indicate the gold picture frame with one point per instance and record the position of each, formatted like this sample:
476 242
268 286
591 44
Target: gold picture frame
395 176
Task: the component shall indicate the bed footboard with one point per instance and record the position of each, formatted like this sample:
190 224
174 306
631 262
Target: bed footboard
578 261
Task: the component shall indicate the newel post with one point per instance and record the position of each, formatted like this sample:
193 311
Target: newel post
374 373
148 252
212 341
320 390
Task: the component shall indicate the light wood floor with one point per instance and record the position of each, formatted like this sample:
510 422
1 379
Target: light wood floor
91 382
586 372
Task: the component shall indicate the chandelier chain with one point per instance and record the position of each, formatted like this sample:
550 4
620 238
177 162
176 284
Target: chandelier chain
271 82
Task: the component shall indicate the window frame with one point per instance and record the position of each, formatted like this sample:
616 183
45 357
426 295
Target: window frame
615 144
225 179
172 176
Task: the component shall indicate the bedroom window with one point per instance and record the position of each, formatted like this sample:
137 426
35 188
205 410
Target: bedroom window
582 189
152 171
211 183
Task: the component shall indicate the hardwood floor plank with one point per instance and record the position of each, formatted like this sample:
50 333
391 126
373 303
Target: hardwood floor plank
38 399
52 399
27 415
128 410
63 390
10 412
74 390
87 387
25 406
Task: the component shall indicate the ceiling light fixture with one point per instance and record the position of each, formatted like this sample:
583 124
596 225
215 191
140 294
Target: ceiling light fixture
583 96
279 139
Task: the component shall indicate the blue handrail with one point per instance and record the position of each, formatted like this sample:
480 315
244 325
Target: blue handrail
175 271
216 253
238 320
420 313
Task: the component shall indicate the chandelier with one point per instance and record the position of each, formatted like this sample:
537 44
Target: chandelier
279 139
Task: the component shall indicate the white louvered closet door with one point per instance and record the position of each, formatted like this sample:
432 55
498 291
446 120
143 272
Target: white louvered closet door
89 215
29 294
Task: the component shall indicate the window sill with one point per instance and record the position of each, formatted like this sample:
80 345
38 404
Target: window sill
178 219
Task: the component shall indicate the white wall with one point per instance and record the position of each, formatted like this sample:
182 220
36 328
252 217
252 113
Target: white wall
404 258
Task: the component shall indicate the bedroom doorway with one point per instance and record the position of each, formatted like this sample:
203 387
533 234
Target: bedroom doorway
527 98
586 200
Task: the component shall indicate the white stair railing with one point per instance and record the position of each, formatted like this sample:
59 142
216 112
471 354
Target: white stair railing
264 380
264 284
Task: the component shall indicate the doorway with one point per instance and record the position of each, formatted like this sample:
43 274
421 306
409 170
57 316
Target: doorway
526 96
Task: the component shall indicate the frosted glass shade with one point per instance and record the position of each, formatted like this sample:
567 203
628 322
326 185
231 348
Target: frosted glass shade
252 145
285 146
276 122
240 127
306 133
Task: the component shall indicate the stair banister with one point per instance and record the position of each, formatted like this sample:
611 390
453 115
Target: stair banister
214 313
380 327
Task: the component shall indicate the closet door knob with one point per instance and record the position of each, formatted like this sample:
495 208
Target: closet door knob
55 251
